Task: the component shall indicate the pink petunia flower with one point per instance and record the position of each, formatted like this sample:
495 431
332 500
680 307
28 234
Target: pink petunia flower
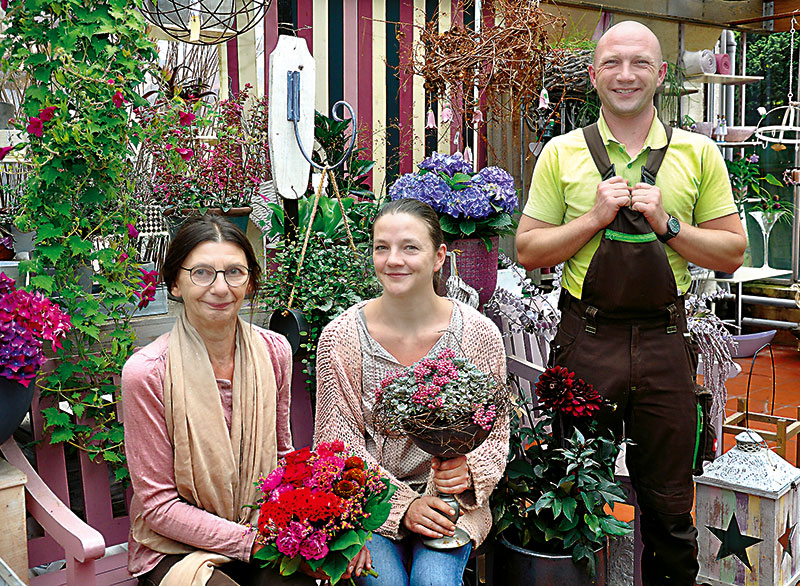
4 151
133 233
185 154
118 99
186 118
35 127
4 5
46 114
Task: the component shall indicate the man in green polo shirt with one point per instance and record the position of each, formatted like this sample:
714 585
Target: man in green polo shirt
626 216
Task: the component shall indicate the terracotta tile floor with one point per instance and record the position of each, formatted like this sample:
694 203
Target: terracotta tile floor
787 389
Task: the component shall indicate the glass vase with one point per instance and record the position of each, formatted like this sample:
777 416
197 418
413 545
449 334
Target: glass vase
766 220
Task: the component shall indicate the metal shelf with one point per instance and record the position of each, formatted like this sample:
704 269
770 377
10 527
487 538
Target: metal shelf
746 143
724 79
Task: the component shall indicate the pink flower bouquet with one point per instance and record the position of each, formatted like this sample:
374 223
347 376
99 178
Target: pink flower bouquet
320 507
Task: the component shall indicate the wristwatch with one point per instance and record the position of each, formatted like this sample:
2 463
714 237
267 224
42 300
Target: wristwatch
673 227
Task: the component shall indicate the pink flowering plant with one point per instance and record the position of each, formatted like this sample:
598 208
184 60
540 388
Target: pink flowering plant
319 508
440 392
27 320
201 156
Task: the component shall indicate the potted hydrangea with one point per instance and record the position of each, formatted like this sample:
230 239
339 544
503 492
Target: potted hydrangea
474 211
26 321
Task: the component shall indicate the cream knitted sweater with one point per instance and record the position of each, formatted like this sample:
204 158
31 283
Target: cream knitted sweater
339 415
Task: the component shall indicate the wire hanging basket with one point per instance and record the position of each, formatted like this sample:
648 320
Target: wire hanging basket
204 22
787 131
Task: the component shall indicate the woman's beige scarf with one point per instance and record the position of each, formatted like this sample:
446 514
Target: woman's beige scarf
214 470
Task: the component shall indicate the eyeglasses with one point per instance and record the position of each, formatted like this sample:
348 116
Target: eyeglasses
205 275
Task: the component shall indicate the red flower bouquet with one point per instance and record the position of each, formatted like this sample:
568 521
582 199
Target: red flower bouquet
320 507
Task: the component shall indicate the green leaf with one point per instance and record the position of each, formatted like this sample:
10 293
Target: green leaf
592 522
290 565
61 435
467 227
268 553
335 565
344 541
569 505
377 517
52 252
55 417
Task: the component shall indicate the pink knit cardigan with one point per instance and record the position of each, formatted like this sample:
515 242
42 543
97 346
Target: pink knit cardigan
339 415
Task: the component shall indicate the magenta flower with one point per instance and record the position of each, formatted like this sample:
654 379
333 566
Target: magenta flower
315 546
35 126
46 114
185 154
186 118
4 5
148 291
118 99
133 233
4 151
273 480
289 540
123 257
26 321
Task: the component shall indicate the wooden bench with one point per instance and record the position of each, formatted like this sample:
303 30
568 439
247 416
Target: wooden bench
81 541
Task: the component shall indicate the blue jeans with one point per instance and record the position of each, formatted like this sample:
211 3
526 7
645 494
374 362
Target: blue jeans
410 563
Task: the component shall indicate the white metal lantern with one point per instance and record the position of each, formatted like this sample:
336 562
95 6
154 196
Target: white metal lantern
747 508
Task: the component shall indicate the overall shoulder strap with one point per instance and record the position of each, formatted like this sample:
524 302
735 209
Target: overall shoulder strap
597 149
655 158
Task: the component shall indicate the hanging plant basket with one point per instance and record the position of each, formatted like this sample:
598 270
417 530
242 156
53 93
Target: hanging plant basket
239 217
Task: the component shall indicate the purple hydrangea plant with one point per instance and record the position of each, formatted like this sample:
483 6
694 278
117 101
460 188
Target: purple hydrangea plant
469 204
26 320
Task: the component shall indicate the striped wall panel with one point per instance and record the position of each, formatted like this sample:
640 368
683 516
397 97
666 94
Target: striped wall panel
357 51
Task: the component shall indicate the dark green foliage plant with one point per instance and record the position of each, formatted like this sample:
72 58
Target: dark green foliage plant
560 475
85 59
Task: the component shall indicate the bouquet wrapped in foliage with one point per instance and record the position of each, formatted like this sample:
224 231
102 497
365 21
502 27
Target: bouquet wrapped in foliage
559 479
320 507
26 320
445 400
469 204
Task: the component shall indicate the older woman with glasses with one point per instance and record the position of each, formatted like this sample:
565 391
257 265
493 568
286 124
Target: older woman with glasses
206 412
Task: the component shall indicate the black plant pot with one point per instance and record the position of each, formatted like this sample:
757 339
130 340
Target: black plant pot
15 400
517 565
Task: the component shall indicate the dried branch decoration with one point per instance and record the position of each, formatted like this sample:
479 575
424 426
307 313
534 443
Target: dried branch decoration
505 62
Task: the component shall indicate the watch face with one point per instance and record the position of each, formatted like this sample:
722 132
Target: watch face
673 225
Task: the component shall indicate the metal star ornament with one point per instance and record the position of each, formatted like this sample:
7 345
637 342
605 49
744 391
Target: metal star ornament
786 539
733 542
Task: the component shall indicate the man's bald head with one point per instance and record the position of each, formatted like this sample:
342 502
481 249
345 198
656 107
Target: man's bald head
629 30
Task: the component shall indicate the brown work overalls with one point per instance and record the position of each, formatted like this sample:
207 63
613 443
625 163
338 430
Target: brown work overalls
627 336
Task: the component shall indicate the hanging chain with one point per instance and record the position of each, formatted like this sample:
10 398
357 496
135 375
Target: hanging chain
791 62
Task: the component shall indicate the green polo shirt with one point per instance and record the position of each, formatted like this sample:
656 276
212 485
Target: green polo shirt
693 180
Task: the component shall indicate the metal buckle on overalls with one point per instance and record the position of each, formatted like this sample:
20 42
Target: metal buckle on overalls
673 319
589 315
648 177
610 172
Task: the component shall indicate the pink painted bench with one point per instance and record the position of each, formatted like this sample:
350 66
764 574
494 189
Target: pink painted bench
67 536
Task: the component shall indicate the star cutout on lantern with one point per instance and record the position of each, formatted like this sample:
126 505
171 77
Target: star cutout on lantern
786 539
733 542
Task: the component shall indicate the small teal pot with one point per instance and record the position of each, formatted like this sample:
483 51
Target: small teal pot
15 399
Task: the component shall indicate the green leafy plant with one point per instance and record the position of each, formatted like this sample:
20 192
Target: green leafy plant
560 475
747 181
333 277
84 60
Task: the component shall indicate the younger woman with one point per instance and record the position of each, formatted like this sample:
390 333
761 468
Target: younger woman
408 322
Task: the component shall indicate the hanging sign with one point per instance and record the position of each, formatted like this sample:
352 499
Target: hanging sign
291 98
